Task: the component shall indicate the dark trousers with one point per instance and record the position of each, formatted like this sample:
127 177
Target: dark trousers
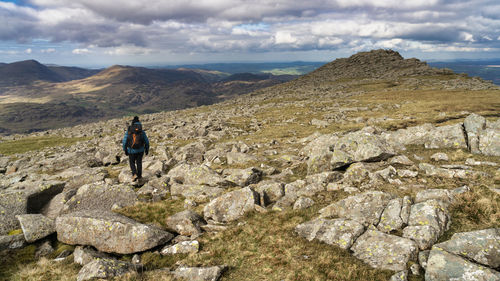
135 161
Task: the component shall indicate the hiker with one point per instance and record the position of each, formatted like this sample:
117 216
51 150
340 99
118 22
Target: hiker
135 143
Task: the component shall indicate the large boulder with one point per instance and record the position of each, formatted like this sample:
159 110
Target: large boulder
100 196
104 269
360 146
338 232
270 192
243 177
11 204
186 223
365 208
36 226
385 251
410 135
474 124
481 246
232 205
319 152
450 136
197 175
489 142
108 232
442 265
424 235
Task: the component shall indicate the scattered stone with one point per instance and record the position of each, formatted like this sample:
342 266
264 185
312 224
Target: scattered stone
109 232
185 247
243 177
407 174
384 251
424 235
439 156
85 254
186 223
472 162
104 268
240 158
36 226
10 242
196 193
199 273
401 160
442 265
270 192
432 213
422 258
303 203
365 208
231 206
197 175
339 232
391 217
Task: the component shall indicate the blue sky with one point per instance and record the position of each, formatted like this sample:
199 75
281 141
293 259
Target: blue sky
100 33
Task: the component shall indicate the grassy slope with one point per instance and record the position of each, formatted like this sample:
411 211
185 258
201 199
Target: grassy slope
264 246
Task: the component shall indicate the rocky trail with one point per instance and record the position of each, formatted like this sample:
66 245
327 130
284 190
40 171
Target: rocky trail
374 174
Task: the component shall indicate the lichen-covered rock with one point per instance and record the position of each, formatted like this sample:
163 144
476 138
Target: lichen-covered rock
400 276
303 203
365 208
10 242
243 177
360 146
197 175
319 153
356 174
442 265
481 246
450 136
186 223
100 196
401 160
240 158
184 247
324 178
36 226
108 232
11 204
196 192
432 213
85 254
474 124
270 192
410 135
199 273
338 232
423 256
231 206
443 195
439 156
489 142
424 235
431 170
104 268
391 217
385 251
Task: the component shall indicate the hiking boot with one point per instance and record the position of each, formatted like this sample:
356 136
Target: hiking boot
134 177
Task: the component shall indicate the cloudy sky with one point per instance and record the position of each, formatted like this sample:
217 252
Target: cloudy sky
155 32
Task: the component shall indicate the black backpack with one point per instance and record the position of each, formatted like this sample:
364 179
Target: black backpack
135 138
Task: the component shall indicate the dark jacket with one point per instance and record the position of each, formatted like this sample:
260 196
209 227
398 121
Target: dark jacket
131 150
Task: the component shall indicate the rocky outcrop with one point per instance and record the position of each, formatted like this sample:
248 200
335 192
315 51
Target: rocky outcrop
108 232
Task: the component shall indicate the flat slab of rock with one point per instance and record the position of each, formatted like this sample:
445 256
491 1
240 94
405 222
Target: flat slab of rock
109 232
232 205
360 146
338 232
481 246
365 208
442 265
104 268
199 273
186 223
36 226
385 251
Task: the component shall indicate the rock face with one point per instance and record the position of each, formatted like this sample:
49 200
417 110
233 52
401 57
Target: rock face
104 268
36 226
360 147
385 251
442 265
365 208
339 232
108 232
232 205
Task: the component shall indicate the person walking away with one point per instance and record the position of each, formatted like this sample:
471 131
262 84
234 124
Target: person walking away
135 143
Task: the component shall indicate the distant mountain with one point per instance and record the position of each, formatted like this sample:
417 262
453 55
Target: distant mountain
277 68
117 91
486 69
29 71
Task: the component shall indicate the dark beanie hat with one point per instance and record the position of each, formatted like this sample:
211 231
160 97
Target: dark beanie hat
135 120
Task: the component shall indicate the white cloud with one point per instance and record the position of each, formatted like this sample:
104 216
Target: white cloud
83 51
48 51
128 50
28 51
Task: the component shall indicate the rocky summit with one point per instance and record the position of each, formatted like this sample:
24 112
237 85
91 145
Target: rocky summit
372 167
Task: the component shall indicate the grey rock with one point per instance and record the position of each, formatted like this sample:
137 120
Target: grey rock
270 192
324 178
450 136
360 146
385 251
415 269
407 174
319 154
36 226
423 256
439 156
442 265
108 232
84 254
186 223
185 247
338 232
401 160
10 242
44 250
199 273
311 190
356 174
11 204
424 235
481 246
473 125
432 213
240 158
243 177
365 208
406 209
400 276
391 217
303 203
231 206
196 192
104 268
442 195
197 175
489 142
